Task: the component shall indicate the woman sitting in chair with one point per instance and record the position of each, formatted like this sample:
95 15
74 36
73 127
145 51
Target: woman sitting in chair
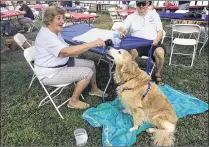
55 62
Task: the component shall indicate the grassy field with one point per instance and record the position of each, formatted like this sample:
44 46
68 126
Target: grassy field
24 124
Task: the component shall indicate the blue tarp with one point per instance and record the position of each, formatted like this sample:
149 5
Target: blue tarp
115 124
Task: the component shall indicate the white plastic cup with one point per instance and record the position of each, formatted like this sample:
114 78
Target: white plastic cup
81 136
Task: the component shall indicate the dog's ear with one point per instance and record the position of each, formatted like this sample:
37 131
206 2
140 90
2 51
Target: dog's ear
134 54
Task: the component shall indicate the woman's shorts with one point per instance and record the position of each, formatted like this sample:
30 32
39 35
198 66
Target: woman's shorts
83 69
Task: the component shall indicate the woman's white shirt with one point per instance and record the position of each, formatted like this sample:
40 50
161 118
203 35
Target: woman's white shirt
47 48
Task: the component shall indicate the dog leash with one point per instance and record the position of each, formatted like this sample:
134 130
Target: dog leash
149 60
148 70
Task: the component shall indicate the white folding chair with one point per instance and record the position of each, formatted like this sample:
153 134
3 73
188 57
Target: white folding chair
34 22
161 3
94 19
123 15
205 3
192 3
85 12
199 3
29 56
186 30
155 3
20 40
146 57
205 31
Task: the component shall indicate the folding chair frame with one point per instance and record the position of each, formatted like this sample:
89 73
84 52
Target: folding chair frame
48 98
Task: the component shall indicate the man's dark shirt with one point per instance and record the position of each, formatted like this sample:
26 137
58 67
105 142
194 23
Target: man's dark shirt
28 11
67 3
3 5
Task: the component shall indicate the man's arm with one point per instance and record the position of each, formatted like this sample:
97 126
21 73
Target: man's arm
158 38
122 32
159 28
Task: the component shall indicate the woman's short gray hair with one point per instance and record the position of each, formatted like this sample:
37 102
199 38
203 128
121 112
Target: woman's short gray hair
50 12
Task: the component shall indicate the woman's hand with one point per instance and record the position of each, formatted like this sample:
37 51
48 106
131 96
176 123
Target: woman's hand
99 43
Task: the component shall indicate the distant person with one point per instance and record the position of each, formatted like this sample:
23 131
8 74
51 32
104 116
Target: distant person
77 3
184 5
28 16
99 7
5 24
66 3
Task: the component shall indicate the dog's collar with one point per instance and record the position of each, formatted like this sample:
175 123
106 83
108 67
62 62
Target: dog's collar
147 90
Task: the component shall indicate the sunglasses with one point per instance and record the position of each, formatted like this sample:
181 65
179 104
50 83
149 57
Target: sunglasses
141 4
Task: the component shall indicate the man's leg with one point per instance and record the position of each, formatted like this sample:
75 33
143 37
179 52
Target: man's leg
7 28
159 61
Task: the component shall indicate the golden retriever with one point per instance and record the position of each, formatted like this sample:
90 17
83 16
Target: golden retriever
11 45
152 106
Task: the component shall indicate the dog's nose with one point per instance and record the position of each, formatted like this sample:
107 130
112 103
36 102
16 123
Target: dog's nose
108 43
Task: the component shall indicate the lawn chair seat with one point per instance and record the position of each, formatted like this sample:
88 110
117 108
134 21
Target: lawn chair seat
20 40
183 41
29 56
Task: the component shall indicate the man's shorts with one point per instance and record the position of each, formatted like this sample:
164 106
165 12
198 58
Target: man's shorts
144 51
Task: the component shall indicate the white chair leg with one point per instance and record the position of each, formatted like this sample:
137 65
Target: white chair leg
99 60
203 46
51 99
32 79
55 106
193 56
153 67
171 54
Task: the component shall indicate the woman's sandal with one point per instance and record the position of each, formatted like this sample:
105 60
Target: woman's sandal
98 93
158 80
79 105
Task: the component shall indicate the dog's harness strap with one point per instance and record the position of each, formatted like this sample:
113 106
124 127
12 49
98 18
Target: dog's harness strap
149 60
147 90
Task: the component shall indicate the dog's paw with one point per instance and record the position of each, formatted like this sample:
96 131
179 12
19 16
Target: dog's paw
151 130
133 128
119 89
126 111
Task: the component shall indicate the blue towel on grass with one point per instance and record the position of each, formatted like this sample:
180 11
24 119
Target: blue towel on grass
116 124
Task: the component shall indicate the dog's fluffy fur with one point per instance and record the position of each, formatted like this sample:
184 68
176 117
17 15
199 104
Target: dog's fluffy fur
154 108
11 45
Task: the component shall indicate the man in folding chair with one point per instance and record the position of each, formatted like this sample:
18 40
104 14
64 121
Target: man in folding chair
146 24
28 16
55 62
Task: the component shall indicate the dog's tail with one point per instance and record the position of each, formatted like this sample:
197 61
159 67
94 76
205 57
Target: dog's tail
163 137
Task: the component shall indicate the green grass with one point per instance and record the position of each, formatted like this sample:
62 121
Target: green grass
24 124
